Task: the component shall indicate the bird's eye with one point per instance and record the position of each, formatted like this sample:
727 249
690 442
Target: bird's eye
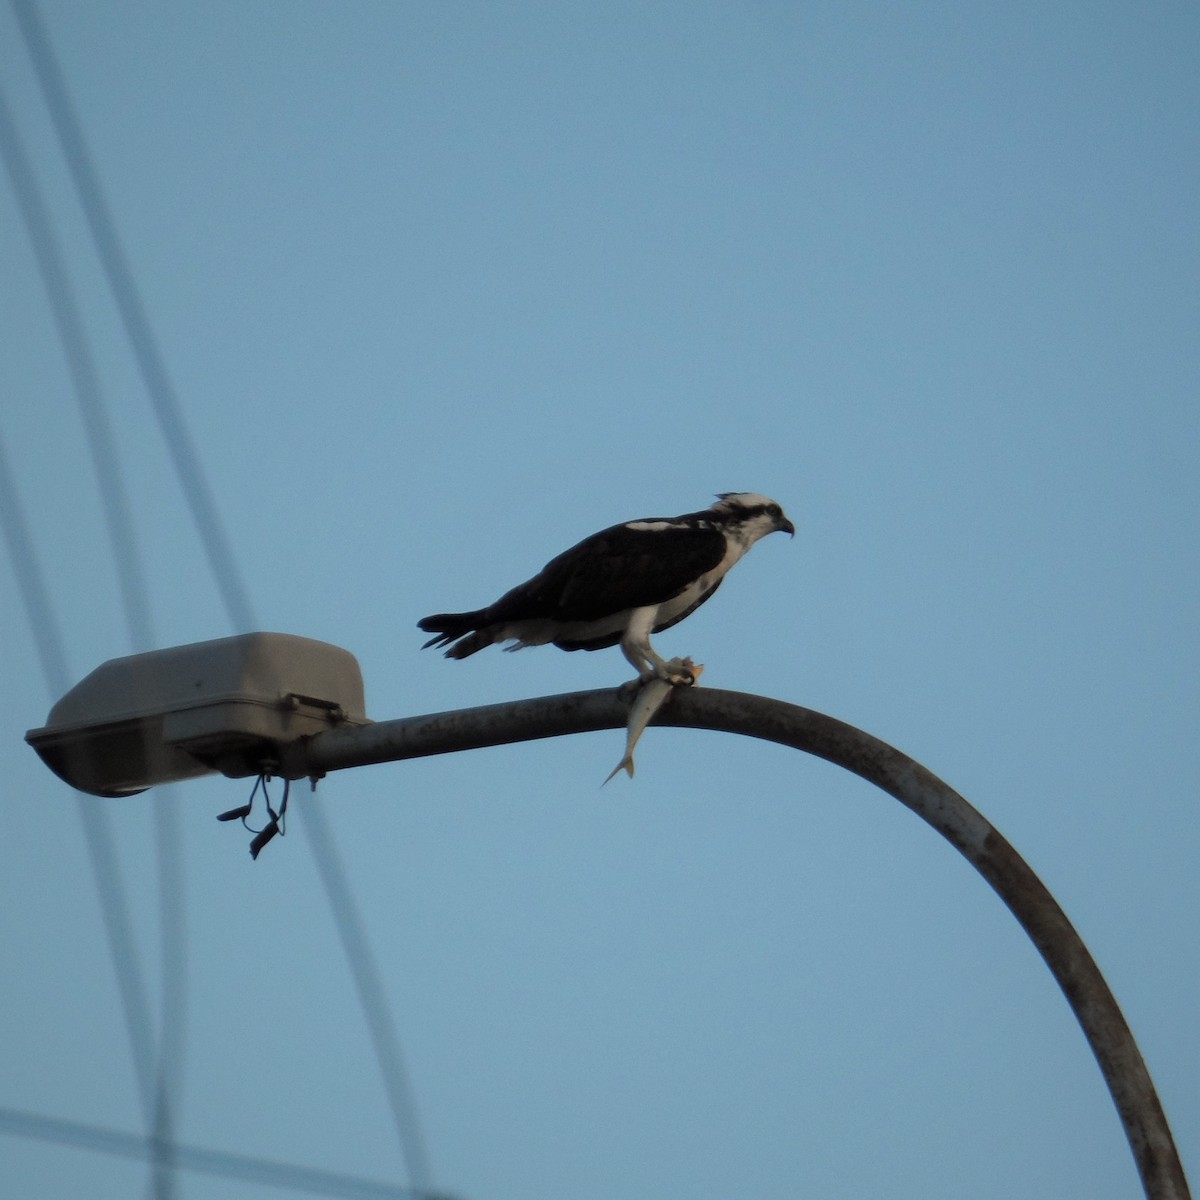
773 510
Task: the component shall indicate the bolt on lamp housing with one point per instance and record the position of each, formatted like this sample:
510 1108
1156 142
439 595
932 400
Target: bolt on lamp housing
223 706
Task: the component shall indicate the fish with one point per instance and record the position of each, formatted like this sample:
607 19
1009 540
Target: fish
651 694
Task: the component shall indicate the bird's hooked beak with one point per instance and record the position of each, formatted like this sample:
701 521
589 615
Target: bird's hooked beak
783 525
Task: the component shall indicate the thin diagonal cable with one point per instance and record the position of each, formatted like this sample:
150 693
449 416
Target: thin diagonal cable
207 519
84 377
371 996
135 602
48 644
47 639
241 1167
114 905
133 314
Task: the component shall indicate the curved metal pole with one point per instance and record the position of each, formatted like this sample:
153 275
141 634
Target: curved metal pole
938 804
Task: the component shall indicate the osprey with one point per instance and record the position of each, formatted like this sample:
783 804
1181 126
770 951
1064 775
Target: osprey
619 585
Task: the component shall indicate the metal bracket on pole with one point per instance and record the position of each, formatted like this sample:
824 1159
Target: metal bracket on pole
966 829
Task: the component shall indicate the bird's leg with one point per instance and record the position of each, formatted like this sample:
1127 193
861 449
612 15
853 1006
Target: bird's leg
648 664
647 673
635 645
651 666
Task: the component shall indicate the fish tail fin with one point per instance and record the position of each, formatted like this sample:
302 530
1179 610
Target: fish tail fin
626 765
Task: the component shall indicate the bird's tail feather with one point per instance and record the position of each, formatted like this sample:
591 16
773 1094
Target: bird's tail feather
459 631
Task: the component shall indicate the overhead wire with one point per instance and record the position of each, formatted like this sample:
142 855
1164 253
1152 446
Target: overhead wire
97 827
135 598
132 311
159 1148
347 917
372 997
240 1167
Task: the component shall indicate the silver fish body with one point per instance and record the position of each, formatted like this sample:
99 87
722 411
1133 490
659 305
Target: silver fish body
651 695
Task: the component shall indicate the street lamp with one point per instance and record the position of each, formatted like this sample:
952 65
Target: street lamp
230 705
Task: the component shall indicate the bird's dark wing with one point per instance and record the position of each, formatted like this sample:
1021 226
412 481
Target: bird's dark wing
603 641
613 570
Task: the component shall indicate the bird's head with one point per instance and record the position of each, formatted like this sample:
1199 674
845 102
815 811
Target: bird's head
751 516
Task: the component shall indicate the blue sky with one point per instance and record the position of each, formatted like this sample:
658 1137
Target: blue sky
444 288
